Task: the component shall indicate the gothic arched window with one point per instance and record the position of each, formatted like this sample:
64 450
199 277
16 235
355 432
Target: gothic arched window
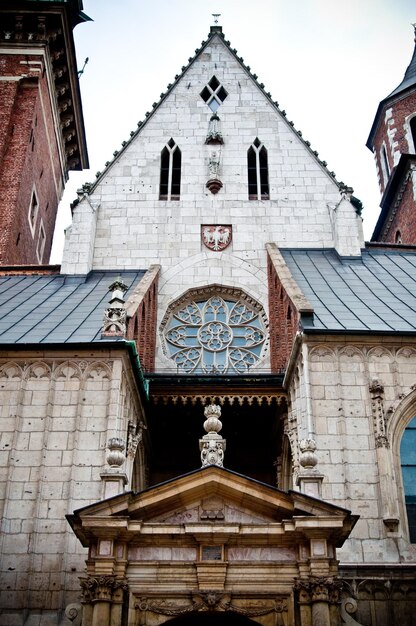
385 166
258 171
408 463
170 172
223 331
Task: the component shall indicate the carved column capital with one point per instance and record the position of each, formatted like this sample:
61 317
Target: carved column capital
321 589
101 588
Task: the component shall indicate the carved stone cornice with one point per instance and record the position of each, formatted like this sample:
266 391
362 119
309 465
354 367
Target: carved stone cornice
51 28
251 399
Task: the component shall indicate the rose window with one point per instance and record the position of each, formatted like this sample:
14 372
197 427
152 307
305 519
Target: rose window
216 336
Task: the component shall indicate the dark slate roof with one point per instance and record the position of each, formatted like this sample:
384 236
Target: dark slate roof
50 309
408 82
372 293
409 79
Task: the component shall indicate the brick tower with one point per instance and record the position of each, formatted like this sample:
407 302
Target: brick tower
393 141
42 133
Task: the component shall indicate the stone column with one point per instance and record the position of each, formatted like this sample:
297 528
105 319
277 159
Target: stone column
388 489
318 599
301 588
320 605
104 597
119 591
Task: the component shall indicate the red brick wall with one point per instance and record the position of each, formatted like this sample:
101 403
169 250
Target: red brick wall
404 219
283 321
142 327
29 159
398 132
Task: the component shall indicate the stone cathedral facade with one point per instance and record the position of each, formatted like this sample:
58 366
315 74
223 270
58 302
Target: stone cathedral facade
208 411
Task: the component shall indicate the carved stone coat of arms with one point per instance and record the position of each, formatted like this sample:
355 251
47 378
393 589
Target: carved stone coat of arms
215 236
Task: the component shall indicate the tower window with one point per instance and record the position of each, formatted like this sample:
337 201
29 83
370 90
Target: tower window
40 248
408 462
33 212
214 94
398 237
170 172
385 164
413 133
258 171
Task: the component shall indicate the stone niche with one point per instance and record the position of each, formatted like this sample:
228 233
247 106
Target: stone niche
211 541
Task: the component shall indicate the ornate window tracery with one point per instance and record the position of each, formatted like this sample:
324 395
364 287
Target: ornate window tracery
215 333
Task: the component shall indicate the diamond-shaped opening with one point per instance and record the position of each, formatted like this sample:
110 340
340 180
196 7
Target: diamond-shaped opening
256 142
222 94
171 143
205 94
214 83
214 105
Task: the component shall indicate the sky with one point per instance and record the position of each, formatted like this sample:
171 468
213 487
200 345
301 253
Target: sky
327 62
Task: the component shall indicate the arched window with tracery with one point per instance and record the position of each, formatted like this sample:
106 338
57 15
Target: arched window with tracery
408 465
170 172
258 171
218 331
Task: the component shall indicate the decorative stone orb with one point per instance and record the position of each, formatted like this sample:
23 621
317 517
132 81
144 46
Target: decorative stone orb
116 457
212 424
308 458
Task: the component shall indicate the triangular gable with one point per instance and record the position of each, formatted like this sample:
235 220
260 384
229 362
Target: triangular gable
259 507
215 33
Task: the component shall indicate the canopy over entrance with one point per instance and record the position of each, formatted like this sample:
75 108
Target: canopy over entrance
211 540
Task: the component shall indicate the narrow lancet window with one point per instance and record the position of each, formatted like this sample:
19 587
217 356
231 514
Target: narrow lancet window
385 164
413 133
170 172
258 172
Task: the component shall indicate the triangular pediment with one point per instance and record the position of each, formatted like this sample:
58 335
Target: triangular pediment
210 496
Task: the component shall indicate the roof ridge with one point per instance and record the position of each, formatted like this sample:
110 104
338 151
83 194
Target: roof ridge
89 187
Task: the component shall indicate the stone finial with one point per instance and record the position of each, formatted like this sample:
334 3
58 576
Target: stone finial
116 457
212 445
212 423
309 478
345 191
114 324
308 458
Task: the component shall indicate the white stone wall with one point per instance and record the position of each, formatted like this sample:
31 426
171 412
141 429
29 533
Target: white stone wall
358 434
57 415
123 224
